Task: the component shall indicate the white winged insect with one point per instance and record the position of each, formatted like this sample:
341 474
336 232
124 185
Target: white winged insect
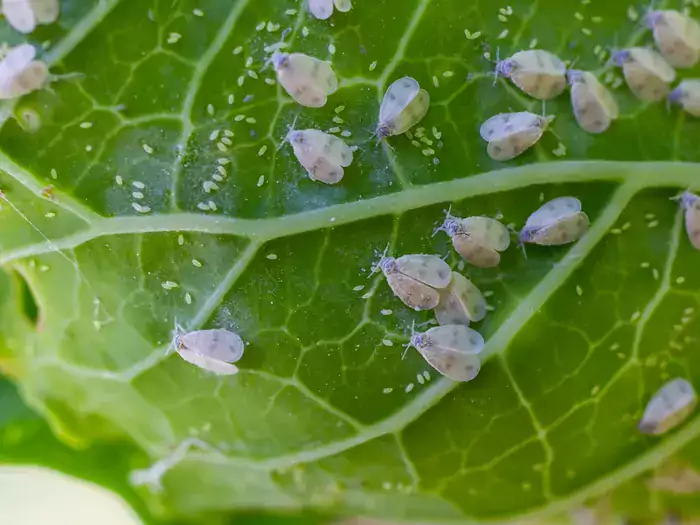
323 9
323 155
669 407
20 73
677 36
416 279
691 204
25 15
452 350
559 221
536 72
212 350
510 134
687 94
404 105
308 80
594 106
460 303
477 239
647 74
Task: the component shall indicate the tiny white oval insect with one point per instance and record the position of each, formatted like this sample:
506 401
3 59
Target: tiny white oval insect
687 94
677 36
416 279
308 80
20 73
594 106
647 74
25 15
691 204
323 155
452 350
460 303
669 407
404 105
559 221
510 134
212 350
477 239
323 9
536 72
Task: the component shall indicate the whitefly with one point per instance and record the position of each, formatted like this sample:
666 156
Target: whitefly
213 350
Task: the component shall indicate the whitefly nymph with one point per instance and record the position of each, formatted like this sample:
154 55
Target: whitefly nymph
212 350
416 279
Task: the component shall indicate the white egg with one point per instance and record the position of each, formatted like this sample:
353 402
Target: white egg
510 134
416 279
691 204
452 350
308 80
477 239
20 73
559 221
460 303
537 72
323 9
594 106
404 105
668 408
323 155
211 350
647 74
25 15
687 94
677 36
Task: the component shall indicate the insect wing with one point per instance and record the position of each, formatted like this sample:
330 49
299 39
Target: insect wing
553 211
562 231
505 124
45 11
218 344
343 5
207 363
594 106
474 252
511 146
325 171
321 9
691 203
308 80
677 36
412 114
412 293
539 73
19 15
399 95
427 269
688 95
460 303
487 231
458 366
668 408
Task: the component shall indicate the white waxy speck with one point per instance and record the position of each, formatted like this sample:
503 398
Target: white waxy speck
420 379
148 149
231 99
503 34
252 74
54 174
272 256
238 50
196 263
241 80
214 135
334 129
138 184
140 208
261 180
173 38
209 186
386 312
358 288
653 224
331 49
680 280
222 171
262 151
290 12
210 109
239 118
188 298
272 28
304 31
197 12
579 290
409 387
169 285
260 26
49 215
226 140
373 65
387 342
181 239
212 205
137 195
346 133
636 315
86 125
387 391
251 120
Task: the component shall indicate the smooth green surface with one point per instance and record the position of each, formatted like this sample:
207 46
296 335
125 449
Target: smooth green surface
323 415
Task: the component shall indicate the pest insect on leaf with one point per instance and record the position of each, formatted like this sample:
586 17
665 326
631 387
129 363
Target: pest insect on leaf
477 239
452 350
323 155
647 74
559 221
20 73
536 72
416 279
25 15
687 94
323 9
460 303
510 134
308 80
669 407
691 204
594 106
211 350
677 36
404 105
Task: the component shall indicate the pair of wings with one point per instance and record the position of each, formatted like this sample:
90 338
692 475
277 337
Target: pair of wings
416 279
20 73
668 407
453 351
479 240
538 73
323 155
24 15
677 36
460 303
323 9
647 74
594 106
212 350
404 105
691 204
306 79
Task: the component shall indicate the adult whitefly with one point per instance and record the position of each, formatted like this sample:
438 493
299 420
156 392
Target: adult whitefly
306 79
477 239
668 408
691 204
212 350
452 350
559 221
416 279
322 155
25 15
537 72
20 74
510 134
323 9
593 104
677 36
646 72
687 94
460 303
404 105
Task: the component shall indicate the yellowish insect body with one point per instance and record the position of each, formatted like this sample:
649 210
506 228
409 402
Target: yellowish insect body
404 105
537 72
687 94
460 303
594 106
647 74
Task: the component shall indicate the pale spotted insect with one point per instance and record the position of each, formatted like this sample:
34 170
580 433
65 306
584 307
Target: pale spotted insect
510 134
677 36
687 94
20 73
647 74
416 279
594 106
559 221
25 15
536 72
211 350
323 9
668 408
404 105
460 303
477 239
308 80
691 204
452 350
322 155
675 476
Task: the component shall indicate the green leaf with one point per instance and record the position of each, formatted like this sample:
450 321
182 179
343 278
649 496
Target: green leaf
325 414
